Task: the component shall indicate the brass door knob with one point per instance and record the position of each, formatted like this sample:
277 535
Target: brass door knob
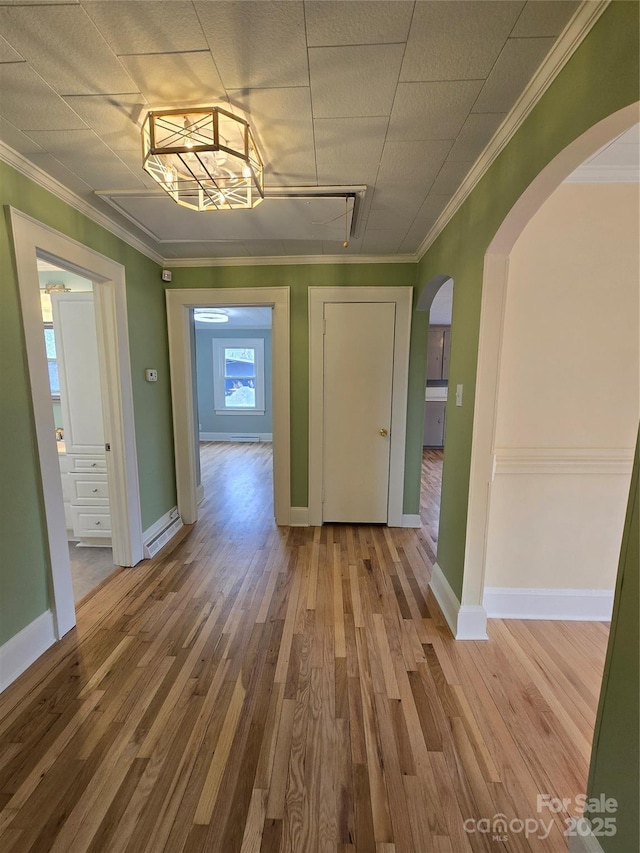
384 432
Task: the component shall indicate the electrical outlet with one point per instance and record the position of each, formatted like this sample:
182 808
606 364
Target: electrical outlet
151 375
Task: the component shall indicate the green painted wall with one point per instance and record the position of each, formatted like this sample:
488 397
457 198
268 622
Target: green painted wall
615 760
24 569
299 279
600 78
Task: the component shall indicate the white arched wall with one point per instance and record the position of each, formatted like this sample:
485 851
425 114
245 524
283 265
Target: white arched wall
567 406
495 280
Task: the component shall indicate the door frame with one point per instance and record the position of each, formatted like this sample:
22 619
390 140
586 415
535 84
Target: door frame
402 298
32 238
179 305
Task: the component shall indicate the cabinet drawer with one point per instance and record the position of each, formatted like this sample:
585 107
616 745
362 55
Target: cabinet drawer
89 488
89 463
91 521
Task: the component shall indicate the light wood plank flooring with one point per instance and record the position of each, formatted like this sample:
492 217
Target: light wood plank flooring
258 689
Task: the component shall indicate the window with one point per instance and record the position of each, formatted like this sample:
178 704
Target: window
52 364
238 375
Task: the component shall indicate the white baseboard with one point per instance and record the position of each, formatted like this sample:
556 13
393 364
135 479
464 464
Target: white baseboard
411 521
472 623
299 516
164 529
236 436
467 622
18 653
583 605
584 844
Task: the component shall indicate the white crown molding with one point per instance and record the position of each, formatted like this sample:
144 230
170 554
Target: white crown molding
289 260
20 163
568 42
593 174
579 460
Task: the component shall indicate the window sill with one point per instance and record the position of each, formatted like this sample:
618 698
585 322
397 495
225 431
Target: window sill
239 411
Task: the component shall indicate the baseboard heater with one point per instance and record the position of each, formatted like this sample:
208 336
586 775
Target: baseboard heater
152 547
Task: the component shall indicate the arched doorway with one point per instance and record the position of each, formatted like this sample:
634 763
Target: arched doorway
491 337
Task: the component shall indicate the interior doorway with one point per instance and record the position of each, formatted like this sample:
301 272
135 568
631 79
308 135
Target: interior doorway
437 401
181 305
233 357
484 457
71 342
32 240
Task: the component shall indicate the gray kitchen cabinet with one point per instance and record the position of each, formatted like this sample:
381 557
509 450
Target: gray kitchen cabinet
438 352
434 420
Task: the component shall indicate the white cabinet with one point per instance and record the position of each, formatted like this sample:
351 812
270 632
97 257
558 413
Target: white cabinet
85 463
438 352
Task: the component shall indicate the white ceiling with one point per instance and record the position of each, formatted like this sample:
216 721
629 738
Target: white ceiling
401 97
617 161
240 317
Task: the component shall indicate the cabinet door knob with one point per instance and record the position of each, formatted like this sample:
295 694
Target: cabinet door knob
93 464
94 490
97 523
384 432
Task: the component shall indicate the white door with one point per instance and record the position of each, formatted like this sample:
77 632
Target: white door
358 356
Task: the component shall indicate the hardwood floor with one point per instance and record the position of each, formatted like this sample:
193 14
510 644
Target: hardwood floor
262 689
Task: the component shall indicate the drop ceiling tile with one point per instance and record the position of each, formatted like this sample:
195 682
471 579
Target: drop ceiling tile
64 46
432 110
540 19
115 118
16 139
302 247
412 162
29 104
474 136
143 26
395 206
281 121
257 45
266 248
354 81
515 66
57 170
457 40
84 154
167 79
334 22
348 150
449 178
208 249
7 53
381 242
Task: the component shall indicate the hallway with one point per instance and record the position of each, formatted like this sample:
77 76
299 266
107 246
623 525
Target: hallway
263 689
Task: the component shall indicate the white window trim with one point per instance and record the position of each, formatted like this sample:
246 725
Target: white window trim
219 346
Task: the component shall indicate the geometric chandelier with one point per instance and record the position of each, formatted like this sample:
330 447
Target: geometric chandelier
205 158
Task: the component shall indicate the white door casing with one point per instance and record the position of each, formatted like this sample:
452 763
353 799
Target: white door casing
400 298
179 305
32 238
358 385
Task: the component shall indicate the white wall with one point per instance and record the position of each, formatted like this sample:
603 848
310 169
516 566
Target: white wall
568 395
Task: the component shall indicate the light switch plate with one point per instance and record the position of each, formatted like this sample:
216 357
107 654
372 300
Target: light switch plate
458 395
151 375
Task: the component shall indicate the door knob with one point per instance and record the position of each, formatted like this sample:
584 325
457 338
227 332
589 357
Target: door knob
384 432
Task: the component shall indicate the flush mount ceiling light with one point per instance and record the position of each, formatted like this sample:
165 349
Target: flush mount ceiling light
205 158
207 316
